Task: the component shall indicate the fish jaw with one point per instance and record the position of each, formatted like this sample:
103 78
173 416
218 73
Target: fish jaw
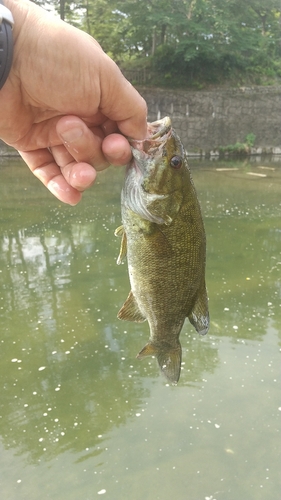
168 357
159 128
158 133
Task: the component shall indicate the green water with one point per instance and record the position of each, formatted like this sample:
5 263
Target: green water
80 416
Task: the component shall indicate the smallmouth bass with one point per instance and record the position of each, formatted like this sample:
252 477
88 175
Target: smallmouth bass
163 237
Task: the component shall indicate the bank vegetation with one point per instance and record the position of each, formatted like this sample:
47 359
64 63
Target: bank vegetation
184 43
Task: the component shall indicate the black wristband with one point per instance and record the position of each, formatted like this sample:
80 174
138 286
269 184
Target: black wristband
6 47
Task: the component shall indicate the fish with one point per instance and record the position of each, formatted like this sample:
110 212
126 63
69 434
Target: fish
163 238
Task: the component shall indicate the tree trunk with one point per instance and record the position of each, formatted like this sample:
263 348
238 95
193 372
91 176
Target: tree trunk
62 9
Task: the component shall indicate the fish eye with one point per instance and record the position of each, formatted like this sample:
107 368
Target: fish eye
176 162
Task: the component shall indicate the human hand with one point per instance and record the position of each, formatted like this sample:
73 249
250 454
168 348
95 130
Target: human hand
65 106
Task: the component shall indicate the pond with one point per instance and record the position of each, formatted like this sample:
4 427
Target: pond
80 416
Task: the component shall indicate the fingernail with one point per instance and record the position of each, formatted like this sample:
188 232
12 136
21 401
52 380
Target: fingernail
71 135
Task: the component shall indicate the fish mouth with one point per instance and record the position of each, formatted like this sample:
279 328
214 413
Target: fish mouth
160 128
158 133
151 147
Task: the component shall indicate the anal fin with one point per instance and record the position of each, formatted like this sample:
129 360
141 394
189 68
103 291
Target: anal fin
130 310
199 316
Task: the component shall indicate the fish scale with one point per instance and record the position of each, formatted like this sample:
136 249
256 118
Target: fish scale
164 240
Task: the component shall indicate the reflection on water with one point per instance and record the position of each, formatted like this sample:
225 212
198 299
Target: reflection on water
79 415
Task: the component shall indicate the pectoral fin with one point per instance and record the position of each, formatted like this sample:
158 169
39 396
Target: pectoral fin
199 316
168 357
123 248
130 310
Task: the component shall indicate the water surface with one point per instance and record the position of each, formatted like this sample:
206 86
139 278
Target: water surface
80 416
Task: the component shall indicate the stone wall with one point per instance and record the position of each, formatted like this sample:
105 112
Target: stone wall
206 120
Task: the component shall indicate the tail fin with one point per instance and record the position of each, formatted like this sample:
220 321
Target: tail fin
168 357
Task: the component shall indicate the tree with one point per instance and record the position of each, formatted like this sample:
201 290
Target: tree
187 39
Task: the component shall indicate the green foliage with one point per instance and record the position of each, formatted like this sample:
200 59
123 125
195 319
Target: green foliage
250 140
185 42
239 148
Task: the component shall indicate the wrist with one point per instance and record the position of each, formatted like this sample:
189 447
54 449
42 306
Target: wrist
6 42
19 10
29 23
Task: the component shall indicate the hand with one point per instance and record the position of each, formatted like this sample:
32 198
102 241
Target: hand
65 105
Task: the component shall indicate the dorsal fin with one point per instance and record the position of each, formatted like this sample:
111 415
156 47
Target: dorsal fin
130 310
